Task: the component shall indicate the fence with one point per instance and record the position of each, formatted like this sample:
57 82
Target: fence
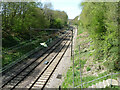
111 74
89 83
85 84
96 80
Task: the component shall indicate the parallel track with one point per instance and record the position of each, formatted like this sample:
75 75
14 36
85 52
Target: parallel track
23 73
42 80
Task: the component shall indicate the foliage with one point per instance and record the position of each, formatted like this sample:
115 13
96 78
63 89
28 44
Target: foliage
59 19
75 21
17 20
88 68
83 57
19 17
100 20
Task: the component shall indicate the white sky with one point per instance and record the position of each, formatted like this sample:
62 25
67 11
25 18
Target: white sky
71 7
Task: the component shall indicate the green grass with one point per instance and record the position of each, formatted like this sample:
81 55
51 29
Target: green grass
90 78
69 77
11 56
80 30
68 82
86 79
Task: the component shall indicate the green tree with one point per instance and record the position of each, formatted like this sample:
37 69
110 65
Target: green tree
100 20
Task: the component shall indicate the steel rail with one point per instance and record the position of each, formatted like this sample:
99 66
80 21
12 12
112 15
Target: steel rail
28 73
48 67
56 66
30 64
29 55
19 59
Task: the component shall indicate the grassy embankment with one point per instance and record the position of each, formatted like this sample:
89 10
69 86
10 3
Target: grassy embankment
24 46
91 69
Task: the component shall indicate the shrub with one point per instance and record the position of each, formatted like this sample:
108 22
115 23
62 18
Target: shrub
88 68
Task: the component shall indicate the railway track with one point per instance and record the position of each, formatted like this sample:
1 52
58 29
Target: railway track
44 76
15 80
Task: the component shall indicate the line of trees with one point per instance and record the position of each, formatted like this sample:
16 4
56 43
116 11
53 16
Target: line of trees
101 21
18 17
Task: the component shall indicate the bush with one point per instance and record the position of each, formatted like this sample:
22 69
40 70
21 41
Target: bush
100 21
88 68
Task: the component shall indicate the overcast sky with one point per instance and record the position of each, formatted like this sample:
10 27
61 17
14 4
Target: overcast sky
71 7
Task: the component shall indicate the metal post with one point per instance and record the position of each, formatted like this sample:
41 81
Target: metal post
71 47
72 55
80 68
77 26
111 78
118 80
59 87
